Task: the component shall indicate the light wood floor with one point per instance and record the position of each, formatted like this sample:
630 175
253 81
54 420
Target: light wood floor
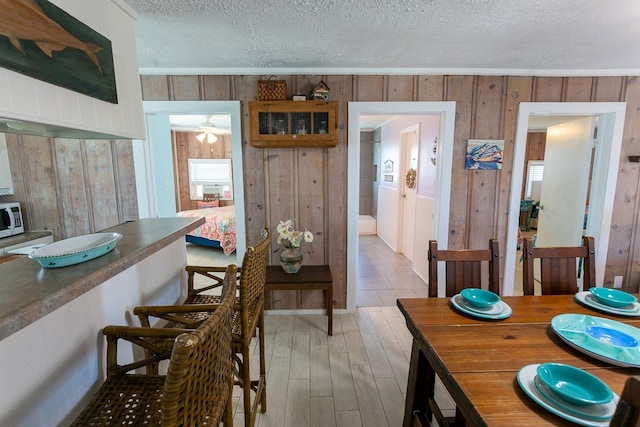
358 376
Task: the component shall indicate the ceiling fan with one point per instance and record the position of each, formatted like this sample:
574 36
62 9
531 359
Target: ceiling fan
208 129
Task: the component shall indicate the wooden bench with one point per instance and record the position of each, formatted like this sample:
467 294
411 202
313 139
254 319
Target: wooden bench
310 277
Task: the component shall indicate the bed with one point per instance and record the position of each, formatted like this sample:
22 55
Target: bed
219 230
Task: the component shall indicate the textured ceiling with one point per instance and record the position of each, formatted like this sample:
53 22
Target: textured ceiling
543 37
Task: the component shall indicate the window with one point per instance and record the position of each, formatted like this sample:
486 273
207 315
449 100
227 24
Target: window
210 176
535 169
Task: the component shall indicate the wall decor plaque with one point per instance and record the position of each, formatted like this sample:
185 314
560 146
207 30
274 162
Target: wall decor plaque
40 40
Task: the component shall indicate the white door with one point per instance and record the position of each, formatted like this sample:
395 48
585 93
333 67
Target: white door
567 162
410 143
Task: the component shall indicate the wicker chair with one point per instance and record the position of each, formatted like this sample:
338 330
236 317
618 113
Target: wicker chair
248 318
197 387
558 267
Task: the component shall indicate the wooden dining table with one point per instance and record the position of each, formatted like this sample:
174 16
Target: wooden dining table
478 360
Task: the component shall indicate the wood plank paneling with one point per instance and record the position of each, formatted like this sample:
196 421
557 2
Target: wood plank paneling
336 192
400 88
73 191
547 89
125 181
483 184
369 88
217 88
460 90
70 186
40 185
624 247
482 111
101 182
430 88
185 88
518 89
578 89
608 89
155 88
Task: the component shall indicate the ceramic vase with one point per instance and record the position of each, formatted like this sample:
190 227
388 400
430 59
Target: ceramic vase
291 260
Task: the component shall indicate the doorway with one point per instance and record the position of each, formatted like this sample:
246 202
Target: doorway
443 158
604 175
154 167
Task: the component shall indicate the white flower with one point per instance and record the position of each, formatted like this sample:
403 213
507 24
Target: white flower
291 238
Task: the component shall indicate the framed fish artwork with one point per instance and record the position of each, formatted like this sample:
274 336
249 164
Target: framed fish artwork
484 154
40 40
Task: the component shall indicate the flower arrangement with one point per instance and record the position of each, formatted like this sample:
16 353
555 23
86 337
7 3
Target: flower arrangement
290 238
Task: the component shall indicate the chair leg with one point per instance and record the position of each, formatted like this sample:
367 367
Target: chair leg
262 384
228 410
245 382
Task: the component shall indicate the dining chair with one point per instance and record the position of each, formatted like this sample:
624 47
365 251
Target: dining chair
248 320
198 384
559 267
627 412
464 268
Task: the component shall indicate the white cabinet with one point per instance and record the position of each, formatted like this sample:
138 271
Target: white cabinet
6 184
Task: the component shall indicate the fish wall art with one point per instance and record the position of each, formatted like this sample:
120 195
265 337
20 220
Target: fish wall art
40 40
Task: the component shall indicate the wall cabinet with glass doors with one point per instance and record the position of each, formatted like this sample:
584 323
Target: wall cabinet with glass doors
291 124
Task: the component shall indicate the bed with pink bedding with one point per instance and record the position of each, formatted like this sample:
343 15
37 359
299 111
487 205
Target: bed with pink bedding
218 231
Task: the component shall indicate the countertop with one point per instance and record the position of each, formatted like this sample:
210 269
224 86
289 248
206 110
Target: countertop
28 292
27 236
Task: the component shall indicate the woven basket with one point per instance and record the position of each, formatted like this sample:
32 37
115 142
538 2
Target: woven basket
272 90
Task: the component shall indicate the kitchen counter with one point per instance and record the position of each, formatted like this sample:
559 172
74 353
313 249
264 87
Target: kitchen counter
27 236
29 292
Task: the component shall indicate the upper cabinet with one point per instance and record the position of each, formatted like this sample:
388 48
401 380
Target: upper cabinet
290 124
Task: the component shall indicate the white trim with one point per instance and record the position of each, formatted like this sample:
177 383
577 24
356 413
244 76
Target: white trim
608 157
447 111
213 107
248 71
290 312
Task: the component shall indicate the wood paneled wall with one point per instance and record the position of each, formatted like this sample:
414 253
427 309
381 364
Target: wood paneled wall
71 186
185 146
311 184
536 142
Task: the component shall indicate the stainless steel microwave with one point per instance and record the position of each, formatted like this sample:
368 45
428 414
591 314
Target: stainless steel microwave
10 219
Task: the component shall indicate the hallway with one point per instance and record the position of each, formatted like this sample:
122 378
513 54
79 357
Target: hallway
384 276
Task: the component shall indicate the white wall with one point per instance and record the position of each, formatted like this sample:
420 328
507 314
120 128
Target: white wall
28 99
389 215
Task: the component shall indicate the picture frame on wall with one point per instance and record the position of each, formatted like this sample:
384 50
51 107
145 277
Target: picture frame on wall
484 154
40 40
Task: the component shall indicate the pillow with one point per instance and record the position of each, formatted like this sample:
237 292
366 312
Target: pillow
212 204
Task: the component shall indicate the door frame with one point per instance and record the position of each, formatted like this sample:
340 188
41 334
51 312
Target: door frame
605 175
444 161
154 189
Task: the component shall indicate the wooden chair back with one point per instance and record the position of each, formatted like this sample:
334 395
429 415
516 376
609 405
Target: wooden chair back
628 410
559 267
464 268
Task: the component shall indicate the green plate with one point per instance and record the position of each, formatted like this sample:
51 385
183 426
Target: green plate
592 415
571 328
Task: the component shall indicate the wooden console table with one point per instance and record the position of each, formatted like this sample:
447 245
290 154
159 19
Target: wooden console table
310 277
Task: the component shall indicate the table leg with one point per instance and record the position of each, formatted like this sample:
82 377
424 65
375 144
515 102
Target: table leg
329 293
420 385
